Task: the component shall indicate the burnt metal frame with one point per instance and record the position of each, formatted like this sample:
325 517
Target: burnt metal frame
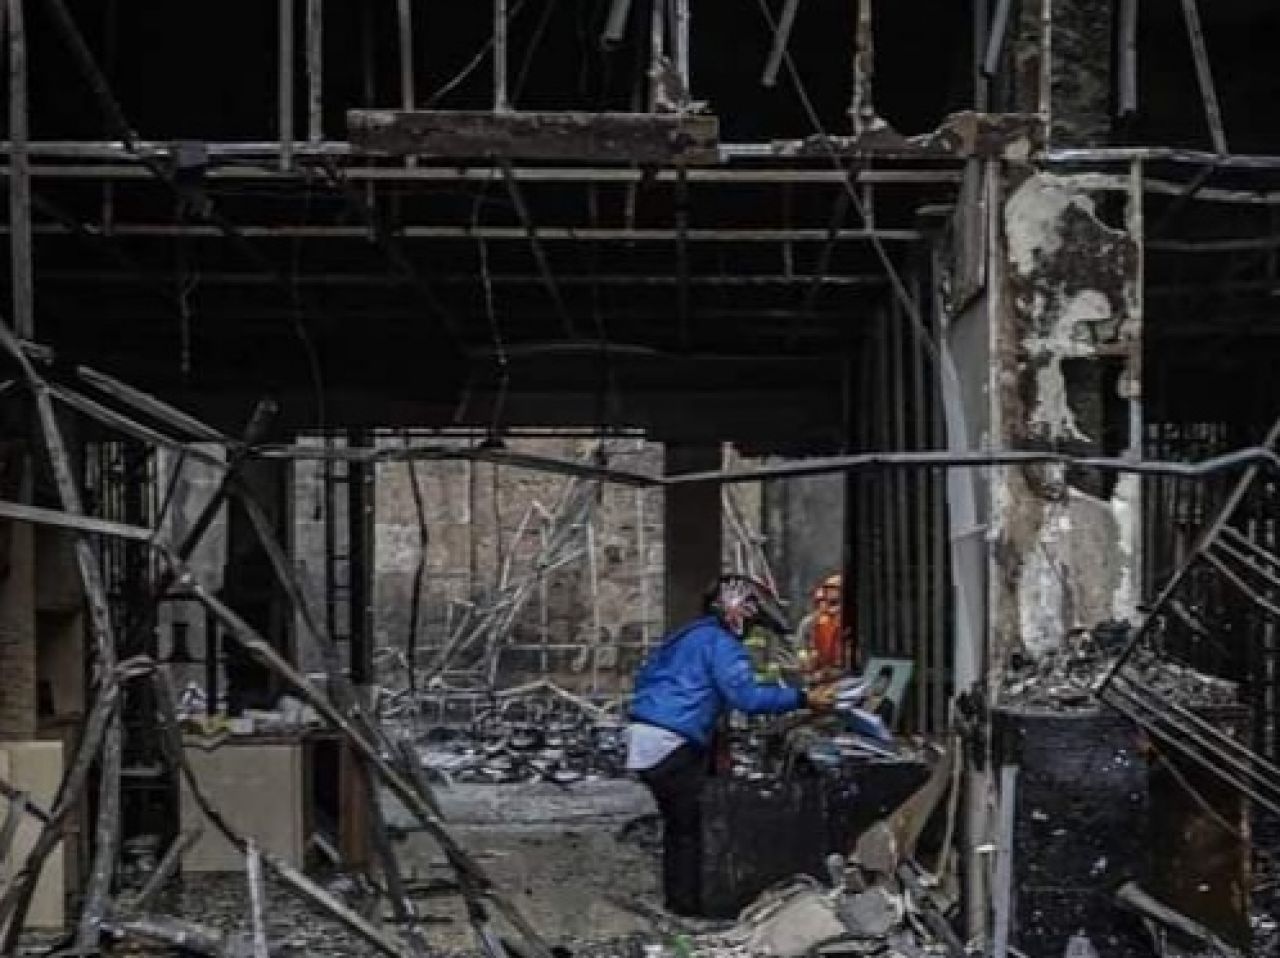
1176 726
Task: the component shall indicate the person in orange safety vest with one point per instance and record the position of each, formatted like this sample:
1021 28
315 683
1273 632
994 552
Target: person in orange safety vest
821 633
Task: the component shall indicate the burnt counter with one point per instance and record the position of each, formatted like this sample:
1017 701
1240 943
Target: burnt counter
758 833
1095 807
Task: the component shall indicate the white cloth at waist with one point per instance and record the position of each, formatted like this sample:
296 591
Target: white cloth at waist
647 745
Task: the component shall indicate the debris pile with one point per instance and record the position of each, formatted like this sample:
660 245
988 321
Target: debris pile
864 912
1070 676
499 752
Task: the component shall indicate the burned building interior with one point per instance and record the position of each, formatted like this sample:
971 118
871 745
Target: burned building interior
381 382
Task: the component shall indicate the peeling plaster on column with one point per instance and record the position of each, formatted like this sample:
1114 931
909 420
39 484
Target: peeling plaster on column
1125 502
1044 602
1032 215
1070 292
1052 412
1065 557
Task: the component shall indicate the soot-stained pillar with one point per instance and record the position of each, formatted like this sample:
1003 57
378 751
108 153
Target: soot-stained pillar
691 532
250 587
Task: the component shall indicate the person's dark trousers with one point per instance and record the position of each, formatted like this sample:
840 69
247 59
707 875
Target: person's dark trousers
676 783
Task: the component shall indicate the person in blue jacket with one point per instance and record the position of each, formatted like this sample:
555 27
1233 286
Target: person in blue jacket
698 673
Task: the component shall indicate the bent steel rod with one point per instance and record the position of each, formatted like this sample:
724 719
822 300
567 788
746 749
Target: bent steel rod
171 740
1220 521
1154 702
1263 789
1172 740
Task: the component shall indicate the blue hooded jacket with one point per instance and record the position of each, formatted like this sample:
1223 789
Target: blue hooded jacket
695 675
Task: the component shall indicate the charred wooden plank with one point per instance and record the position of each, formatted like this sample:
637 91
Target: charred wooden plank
620 137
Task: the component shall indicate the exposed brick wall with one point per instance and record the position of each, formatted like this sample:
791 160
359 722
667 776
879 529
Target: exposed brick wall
477 515
481 518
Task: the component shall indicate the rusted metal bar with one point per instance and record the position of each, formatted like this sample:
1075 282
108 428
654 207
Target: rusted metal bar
1127 102
1254 457
18 807
980 30
1204 75
149 405
284 81
1123 697
189 937
1257 457
172 740
682 257
381 279
262 651
64 520
17 898
922 519
315 70
97 897
996 37
166 869
1249 593
404 14
8 791
545 233
1131 896
1206 538
657 33
501 103
1259 569
822 272
1002 890
1045 99
259 422
862 110
253 873
479 171
1206 733
419 576
19 176
1259 552
886 514
781 37
681 44
402 906
132 162
280 565
124 425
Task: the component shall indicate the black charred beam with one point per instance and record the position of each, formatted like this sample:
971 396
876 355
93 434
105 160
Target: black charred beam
599 137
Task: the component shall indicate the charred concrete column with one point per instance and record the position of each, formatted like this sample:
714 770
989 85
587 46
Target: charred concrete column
691 532
1059 62
1066 335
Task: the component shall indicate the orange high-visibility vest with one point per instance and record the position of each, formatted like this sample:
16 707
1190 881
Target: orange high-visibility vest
828 651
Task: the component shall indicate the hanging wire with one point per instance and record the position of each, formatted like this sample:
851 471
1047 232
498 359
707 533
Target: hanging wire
472 65
891 271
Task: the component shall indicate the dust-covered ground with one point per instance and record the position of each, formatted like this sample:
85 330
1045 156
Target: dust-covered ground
569 859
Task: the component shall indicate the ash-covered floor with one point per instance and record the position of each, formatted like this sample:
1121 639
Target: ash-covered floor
564 856
557 877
